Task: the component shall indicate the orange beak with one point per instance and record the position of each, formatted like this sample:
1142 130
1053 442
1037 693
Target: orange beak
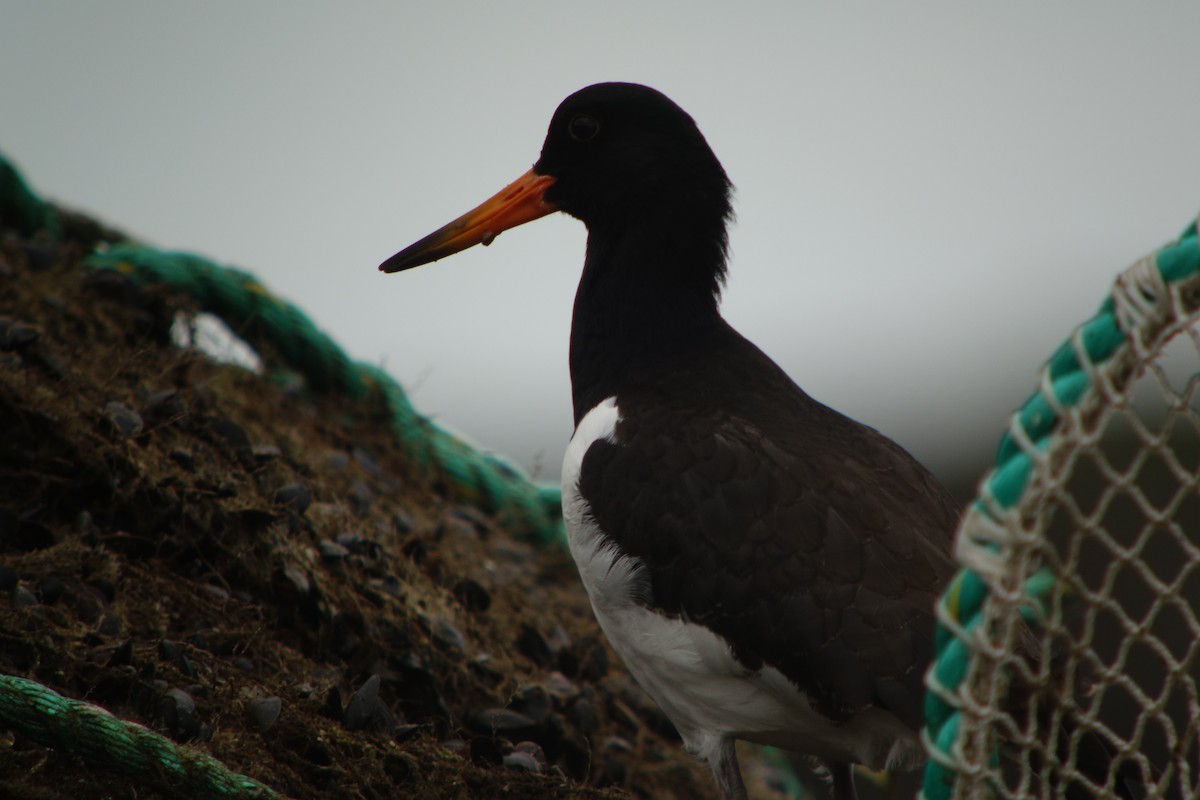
519 202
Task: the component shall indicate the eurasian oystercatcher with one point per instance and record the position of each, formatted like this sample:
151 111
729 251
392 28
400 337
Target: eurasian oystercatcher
765 566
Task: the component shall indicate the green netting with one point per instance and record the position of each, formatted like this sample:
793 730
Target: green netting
90 732
1066 652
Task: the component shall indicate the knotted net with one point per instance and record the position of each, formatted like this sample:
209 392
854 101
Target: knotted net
1067 660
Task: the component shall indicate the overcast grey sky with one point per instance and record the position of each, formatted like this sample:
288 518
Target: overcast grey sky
930 194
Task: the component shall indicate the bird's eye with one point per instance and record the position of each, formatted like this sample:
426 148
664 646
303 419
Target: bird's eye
583 127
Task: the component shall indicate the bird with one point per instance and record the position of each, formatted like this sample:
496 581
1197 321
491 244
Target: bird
765 566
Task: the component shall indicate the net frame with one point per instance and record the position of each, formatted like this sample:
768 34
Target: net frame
1009 584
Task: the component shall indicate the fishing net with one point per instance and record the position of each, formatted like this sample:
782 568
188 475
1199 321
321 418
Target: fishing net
1067 658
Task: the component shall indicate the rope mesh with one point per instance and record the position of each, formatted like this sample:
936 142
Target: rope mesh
1067 663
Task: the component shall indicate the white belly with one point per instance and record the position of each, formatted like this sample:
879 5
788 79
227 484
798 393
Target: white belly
690 671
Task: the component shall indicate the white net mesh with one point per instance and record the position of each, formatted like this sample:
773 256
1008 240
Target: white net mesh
1083 670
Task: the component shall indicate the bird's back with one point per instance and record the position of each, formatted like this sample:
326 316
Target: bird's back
808 544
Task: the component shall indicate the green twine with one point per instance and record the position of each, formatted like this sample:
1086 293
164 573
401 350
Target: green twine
90 732
20 208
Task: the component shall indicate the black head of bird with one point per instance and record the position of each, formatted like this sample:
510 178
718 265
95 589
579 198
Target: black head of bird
629 163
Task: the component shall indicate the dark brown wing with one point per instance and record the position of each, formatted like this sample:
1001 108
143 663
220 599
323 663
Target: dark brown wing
819 551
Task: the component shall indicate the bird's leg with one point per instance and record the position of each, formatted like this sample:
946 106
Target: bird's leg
725 769
843 781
